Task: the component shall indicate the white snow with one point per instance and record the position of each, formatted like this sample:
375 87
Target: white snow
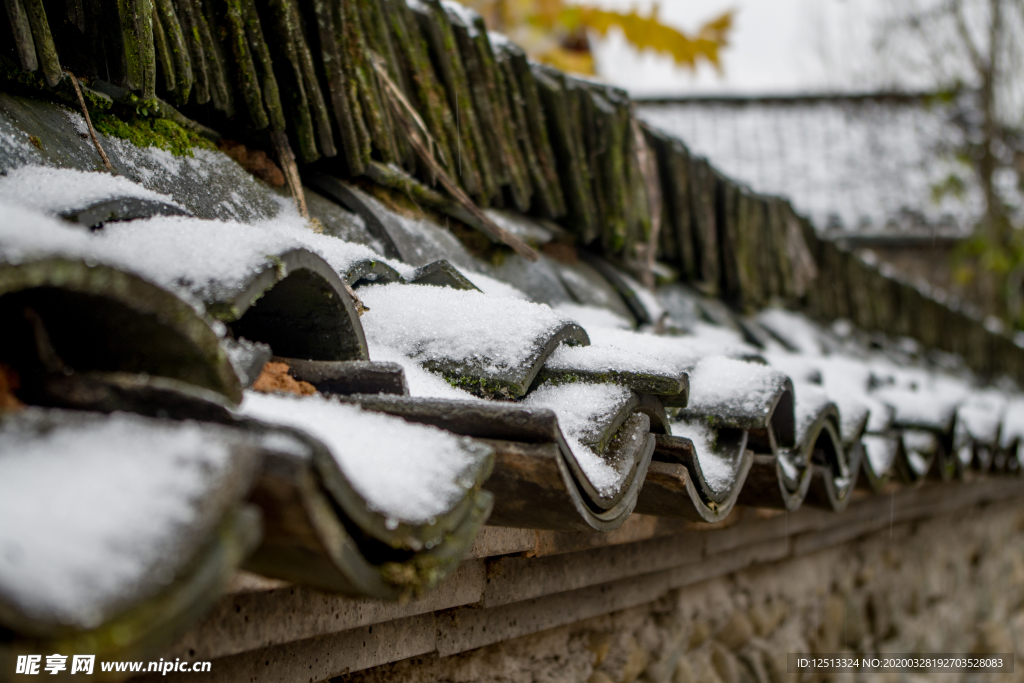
494 287
215 258
646 298
800 368
854 413
466 15
524 227
1013 422
499 39
678 353
866 166
591 317
616 357
25 234
211 259
57 190
93 511
810 401
844 381
207 258
919 441
719 341
422 382
881 416
981 414
795 329
584 411
441 324
880 450
407 472
719 471
924 408
725 386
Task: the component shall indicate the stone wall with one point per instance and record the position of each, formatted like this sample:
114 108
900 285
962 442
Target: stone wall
947 584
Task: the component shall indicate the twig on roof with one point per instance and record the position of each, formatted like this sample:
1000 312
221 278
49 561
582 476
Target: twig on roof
423 145
88 122
286 158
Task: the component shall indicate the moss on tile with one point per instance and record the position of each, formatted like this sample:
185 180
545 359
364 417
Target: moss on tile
144 131
482 386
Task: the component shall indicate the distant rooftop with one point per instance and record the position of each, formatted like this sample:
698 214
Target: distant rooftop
863 163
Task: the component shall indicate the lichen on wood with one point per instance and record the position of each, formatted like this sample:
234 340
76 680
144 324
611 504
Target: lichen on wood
376 116
164 61
473 169
532 130
492 106
264 65
21 30
221 93
337 85
180 60
46 51
563 112
187 14
294 96
424 88
246 79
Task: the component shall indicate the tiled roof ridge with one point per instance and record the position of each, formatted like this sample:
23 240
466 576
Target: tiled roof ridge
572 145
556 394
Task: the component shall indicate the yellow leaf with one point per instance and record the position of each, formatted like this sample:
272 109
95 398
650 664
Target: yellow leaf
649 33
570 61
553 30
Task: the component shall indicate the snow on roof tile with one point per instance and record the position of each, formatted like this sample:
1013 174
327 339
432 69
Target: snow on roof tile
164 486
411 485
469 336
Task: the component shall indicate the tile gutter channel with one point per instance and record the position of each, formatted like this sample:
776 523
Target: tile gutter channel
520 582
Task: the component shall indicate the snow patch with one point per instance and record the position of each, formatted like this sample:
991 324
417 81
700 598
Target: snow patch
407 472
584 411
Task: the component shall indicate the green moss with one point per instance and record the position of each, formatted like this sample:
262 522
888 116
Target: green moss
142 131
479 386
225 312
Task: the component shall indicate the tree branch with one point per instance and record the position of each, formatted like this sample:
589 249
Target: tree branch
957 6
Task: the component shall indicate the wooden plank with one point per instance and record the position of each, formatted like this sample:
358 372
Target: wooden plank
317 659
493 541
253 620
514 579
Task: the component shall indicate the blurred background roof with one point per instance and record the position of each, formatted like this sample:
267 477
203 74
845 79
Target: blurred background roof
782 46
866 164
